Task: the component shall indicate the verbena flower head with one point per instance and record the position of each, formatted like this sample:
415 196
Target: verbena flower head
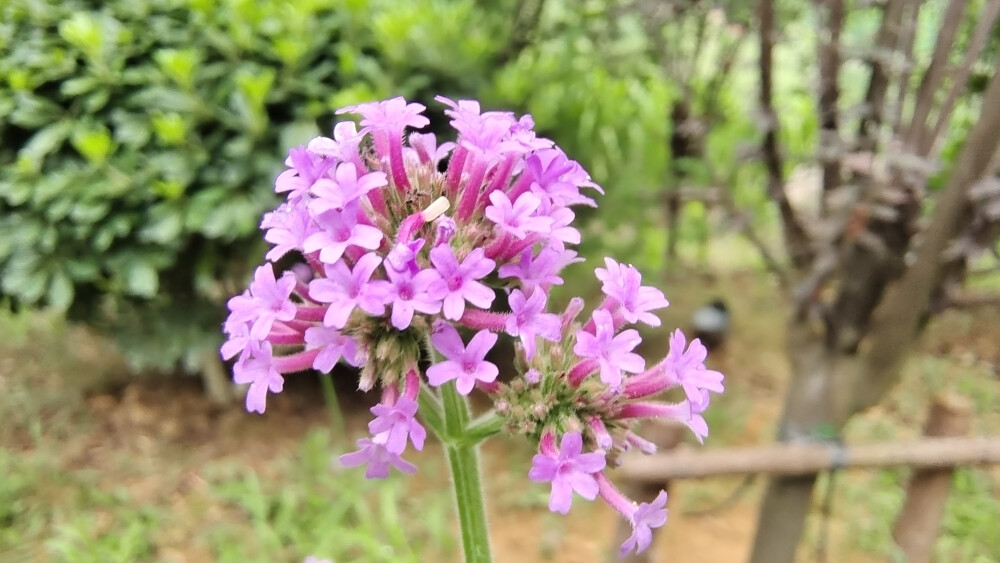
400 257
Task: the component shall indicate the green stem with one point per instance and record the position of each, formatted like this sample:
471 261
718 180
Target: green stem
449 419
332 405
463 459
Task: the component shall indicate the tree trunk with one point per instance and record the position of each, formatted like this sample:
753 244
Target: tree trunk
814 412
782 519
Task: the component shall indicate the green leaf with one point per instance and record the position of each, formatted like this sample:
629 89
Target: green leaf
46 140
95 101
89 212
179 64
15 192
78 86
129 129
297 133
93 143
170 128
256 85
83 31
33 112
165 225
60 294
165 99
140 278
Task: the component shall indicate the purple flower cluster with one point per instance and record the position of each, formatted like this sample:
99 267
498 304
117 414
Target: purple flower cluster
400 255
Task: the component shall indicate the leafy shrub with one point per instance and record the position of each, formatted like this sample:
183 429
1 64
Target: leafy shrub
139 140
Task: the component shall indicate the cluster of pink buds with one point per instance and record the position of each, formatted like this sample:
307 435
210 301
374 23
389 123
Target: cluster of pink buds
403 256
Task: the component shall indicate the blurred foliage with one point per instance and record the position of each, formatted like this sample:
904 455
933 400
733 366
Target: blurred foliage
49 512
139 140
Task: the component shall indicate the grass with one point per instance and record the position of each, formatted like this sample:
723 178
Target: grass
870 501
49 513
155 476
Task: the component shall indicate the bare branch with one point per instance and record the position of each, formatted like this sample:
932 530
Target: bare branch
878 84
911 16
796 240
931 81
722 74
897 321
699 41
809 458
980 36
832 17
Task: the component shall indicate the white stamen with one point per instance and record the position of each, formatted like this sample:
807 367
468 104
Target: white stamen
436 209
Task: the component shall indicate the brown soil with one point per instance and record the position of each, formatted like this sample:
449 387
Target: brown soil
171 433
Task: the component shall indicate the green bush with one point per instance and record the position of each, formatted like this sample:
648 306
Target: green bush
139 140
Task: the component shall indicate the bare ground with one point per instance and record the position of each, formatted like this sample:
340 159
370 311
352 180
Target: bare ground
157 439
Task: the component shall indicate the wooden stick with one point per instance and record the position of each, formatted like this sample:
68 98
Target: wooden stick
916 527
806 459
666 434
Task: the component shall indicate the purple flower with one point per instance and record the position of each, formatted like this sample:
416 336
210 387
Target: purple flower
568 470
343 146
622 283
614 352
258 370
427 149
688 369
529 320
305 169
562 232
345 289
288 227
392 115
374 453
464 113
333 345
539 271
457 283
403 256
517 218
645 517
399 423
239 339
314 559
340 230
347 188
687 412
386 120
267 301
465 364
445 228
408 292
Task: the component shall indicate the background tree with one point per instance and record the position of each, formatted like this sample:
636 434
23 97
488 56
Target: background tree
896 225
139 142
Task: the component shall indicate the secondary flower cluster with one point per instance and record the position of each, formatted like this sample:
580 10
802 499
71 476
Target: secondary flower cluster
404 254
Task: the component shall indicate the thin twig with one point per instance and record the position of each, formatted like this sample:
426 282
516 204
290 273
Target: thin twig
931 81
959 83
832 17
796 240
878 84
911 16
718 81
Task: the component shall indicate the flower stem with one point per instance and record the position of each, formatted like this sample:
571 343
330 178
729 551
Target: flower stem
332 405
449 419
463 459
